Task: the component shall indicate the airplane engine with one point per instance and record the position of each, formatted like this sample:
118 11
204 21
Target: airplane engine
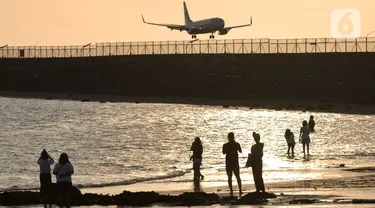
223 32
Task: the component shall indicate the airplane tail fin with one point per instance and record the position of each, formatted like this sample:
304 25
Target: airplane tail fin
187 18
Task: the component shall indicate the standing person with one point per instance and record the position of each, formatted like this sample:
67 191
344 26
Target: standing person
197 149
45 161
304 137
63 171
311 124
257 163
230 150
289 136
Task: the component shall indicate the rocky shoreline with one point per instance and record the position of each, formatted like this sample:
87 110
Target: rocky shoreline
18 198
126 198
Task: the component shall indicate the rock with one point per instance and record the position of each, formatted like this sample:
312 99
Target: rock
255 198
304 201
363 201
33 197
199 198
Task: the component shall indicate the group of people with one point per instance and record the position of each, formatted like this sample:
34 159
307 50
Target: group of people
63 171
304 136
231 149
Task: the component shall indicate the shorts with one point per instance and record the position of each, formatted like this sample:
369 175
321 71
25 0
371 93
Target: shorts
197 161
230 168
305 140
64 187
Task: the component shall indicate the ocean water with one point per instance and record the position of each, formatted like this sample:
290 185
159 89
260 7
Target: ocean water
126 143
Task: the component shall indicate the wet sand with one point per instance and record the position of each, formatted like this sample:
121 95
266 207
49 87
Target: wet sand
346 191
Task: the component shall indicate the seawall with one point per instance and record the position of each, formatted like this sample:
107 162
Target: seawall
323 77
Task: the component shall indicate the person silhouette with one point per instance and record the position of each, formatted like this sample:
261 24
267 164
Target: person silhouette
231 150
289 136
257 163
45 161
64 171
304 137
311 124
197 149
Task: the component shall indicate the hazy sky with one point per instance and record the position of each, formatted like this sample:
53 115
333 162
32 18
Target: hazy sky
78 22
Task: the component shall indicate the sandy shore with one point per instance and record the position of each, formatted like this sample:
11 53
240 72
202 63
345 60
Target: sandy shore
250 104
327 192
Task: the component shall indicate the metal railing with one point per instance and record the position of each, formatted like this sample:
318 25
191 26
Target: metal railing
236 46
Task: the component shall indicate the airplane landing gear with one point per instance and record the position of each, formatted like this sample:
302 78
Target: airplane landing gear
194 37
212 36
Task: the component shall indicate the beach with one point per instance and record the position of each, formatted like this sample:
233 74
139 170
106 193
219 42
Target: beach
135 144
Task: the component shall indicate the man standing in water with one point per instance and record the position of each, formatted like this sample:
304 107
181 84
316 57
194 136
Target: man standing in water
257 163
231 161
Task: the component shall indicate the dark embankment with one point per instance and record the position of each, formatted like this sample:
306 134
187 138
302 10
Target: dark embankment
319 77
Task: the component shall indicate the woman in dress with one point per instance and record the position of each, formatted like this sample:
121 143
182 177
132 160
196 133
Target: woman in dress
304 137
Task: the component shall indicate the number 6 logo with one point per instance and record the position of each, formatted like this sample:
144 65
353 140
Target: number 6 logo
345 23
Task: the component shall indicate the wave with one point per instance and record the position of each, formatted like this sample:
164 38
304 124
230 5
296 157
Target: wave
173 174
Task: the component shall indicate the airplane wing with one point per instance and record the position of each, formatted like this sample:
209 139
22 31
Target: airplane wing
170 26
229 28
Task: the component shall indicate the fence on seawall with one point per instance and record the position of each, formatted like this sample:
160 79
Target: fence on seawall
226 46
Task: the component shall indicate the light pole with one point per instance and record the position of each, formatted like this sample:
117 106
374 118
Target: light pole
83 48
370 33
4 46
367 38
41 38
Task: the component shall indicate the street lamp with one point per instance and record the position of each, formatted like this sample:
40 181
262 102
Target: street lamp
83 48
191 44
370 33
41 38
37 44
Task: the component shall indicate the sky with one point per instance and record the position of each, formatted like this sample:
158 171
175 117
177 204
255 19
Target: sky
79 22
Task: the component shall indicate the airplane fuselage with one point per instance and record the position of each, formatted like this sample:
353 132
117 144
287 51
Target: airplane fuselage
205 26
211 25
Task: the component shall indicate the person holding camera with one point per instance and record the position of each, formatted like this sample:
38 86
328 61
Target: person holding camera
45 161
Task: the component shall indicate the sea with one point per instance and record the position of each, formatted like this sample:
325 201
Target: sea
120 143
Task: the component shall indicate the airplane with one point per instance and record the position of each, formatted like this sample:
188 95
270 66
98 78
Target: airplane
211 25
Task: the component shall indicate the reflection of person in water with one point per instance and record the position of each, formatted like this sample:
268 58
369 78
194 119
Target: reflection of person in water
231 150
311 124
257 163
197 149
289 136
304 137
